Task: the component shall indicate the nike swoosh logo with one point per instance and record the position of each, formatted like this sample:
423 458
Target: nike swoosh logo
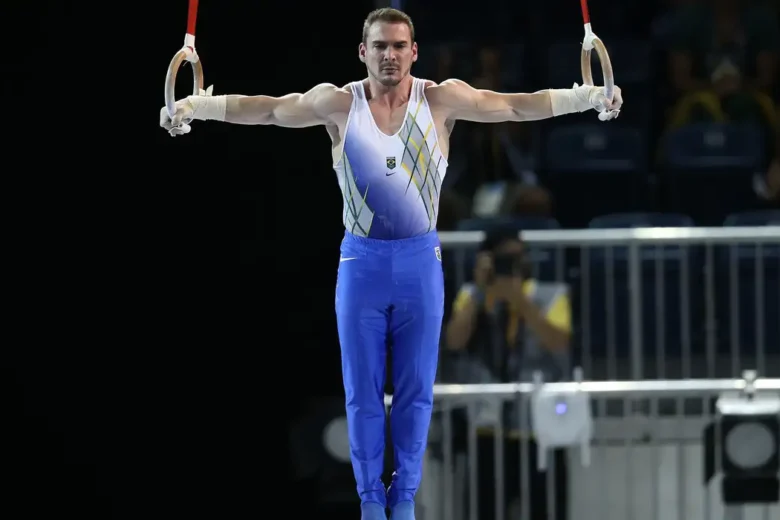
342 259
388 174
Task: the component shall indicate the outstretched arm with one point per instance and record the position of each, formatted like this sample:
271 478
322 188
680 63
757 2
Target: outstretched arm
459 100
315 107
312 108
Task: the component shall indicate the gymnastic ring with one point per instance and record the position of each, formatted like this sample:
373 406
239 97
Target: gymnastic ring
185 54
593 42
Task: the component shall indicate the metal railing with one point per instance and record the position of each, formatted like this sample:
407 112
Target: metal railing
647 456
658 303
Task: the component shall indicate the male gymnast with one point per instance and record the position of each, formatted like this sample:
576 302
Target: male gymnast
390 135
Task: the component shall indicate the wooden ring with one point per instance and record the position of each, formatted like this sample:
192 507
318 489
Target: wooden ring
606 67
185 54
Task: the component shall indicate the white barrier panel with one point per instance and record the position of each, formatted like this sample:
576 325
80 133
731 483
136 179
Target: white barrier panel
658 303
621 237
647 463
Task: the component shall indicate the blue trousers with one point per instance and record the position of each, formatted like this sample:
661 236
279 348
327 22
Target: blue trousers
389 292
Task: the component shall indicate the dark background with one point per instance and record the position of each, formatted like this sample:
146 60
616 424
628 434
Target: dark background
171 389
162 380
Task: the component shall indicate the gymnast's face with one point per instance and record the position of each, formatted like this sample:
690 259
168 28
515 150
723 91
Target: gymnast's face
388 52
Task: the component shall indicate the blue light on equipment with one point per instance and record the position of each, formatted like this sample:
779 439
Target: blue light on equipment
561 419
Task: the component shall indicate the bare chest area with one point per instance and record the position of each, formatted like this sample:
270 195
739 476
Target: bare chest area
388 120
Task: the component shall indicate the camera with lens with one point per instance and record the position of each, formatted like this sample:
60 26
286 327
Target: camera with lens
506 265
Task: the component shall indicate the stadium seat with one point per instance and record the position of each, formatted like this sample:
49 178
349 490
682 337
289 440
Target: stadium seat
767 217
747 280
595 148
708 170
668 276
595 169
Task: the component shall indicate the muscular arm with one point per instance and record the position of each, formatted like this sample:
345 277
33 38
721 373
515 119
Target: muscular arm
315 107
681 68
459 100
464 102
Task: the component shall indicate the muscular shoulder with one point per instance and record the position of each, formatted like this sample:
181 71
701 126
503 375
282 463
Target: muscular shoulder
329 100
448 94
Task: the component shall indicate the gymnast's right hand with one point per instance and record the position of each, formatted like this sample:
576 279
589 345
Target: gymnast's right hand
179 123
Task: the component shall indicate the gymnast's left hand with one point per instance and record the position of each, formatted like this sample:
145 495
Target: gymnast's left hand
607 109
179 123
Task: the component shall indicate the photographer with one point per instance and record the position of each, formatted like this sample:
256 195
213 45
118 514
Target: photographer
504 327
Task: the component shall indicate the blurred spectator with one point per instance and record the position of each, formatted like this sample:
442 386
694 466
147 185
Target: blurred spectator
527 200
767 186
504 327
535 317
723 62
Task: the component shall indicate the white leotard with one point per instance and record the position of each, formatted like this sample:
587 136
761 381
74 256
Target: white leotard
391 184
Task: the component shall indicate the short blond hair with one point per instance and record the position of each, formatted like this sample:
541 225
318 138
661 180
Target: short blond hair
388 15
